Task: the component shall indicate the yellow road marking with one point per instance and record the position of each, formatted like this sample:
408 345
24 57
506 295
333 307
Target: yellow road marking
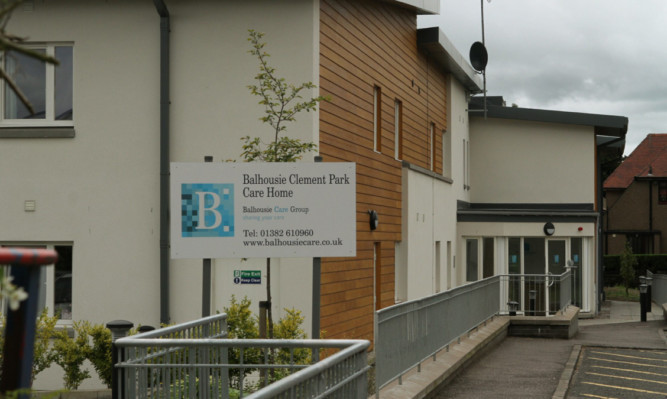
629 356
624 388
597 396
627 378
629 370
655 352
632 363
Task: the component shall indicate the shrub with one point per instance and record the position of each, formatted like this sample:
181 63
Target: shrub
628 267
71 353
100 354
44 352
612 268
241 323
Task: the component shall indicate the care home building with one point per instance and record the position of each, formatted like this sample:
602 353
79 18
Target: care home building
142 84
535 194
459 196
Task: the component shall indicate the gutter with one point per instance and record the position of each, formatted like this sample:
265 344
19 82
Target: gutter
164 160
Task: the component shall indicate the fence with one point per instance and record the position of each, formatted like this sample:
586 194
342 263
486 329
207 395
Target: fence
411 332
192 360
536 294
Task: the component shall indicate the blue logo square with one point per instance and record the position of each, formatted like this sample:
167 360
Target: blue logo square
207 210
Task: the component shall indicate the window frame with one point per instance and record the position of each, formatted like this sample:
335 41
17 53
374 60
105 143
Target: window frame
49 120
377 119
47 278
446 153
662 192
398 129
431 146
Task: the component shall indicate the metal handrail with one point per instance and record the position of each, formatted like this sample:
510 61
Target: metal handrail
160 363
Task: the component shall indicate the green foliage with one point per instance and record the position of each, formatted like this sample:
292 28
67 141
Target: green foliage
280 99
289 327
100 353
283 150
628 267
242 324
44 352
282 102
71 353
612 267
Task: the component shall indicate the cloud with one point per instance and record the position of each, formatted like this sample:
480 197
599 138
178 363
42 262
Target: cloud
589 56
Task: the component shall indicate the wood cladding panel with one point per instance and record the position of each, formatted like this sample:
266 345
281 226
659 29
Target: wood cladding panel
367 43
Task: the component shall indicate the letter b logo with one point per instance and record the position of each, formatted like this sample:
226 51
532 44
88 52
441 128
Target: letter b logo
207 210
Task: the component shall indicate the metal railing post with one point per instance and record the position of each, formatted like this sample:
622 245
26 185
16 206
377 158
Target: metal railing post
649 283
119 329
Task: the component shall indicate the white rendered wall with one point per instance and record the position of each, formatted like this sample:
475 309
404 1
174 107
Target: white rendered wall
100 190
531 162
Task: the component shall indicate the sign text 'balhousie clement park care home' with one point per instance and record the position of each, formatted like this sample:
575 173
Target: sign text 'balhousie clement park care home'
252 210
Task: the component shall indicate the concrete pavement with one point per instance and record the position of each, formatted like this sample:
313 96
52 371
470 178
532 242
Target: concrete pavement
539 367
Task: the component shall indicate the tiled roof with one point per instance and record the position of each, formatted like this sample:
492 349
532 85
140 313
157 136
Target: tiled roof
650 156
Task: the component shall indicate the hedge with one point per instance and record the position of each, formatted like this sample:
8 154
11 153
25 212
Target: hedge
612 266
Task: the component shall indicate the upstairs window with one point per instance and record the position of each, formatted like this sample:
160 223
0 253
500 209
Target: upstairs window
446 154
398 130
377 119
47 87
431 146
662 193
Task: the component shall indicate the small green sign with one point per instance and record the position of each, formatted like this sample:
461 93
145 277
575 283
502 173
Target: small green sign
247 277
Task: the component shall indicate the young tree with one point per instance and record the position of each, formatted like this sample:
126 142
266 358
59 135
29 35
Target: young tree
628 267
282 102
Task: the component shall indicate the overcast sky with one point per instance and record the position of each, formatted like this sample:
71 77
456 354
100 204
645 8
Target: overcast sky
592 56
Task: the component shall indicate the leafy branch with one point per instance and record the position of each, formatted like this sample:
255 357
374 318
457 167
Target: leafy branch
10 42
282 102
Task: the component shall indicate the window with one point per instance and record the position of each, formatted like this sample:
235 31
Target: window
47 87
377 119
662 192
431 146
446 154
466 164
56 282
488 257
472 259
398 130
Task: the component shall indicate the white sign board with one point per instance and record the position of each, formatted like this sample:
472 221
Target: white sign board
258 210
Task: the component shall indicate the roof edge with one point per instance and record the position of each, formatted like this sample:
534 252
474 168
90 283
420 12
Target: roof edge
435 43
423 7
606 125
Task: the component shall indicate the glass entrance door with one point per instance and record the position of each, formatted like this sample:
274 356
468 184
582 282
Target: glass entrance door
556 262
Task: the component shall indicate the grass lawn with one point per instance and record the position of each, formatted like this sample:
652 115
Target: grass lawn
617 293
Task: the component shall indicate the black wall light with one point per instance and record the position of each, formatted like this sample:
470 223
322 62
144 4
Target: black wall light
374 220
549 229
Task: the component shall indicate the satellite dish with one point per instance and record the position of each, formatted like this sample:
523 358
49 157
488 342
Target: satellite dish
478 56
